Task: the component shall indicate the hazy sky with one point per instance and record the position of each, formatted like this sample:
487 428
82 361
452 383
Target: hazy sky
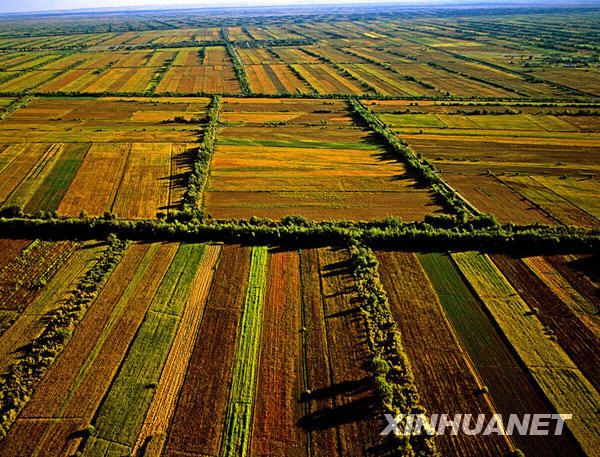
10 6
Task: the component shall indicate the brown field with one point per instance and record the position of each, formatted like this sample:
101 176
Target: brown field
526 167
75 385
145 184
55 267
489 195
138 160
320 172
444 374
578 341
215 74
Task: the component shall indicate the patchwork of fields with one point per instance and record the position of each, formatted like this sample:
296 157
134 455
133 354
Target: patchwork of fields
169 330
500 334
125 156
236 232
524 163
280 157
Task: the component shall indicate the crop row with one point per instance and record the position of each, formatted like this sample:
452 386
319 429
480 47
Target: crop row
17 386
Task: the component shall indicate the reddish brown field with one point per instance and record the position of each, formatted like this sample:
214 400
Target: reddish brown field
489 195
198 424
324 439
277 410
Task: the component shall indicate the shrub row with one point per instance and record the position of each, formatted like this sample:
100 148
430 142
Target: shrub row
392 374
15 105
240 71
424 170
434 234
17 386
201 164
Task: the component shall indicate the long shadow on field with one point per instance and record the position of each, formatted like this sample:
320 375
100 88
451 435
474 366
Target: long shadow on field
588 266
343 267
347 413
344 387
389 156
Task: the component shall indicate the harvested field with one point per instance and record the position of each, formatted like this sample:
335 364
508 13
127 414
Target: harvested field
274 79
444 373
578 341
139 157
336 173
555 373
510 387
522 164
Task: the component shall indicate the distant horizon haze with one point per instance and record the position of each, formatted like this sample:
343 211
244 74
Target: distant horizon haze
38 6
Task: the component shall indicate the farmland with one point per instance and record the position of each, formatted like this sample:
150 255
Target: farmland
308 158
267 231
138 153
158 321
524 163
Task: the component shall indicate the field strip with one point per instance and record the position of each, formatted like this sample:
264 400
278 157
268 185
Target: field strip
194 429
589 211
562 383
511 388
236 437
351 388
585 310
444 374
90 383
29 324
9 154
578 341
141 368
280 383
324 441
52 189
154 429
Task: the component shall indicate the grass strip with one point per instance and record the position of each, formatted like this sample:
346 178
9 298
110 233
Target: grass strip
121 415
236 436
